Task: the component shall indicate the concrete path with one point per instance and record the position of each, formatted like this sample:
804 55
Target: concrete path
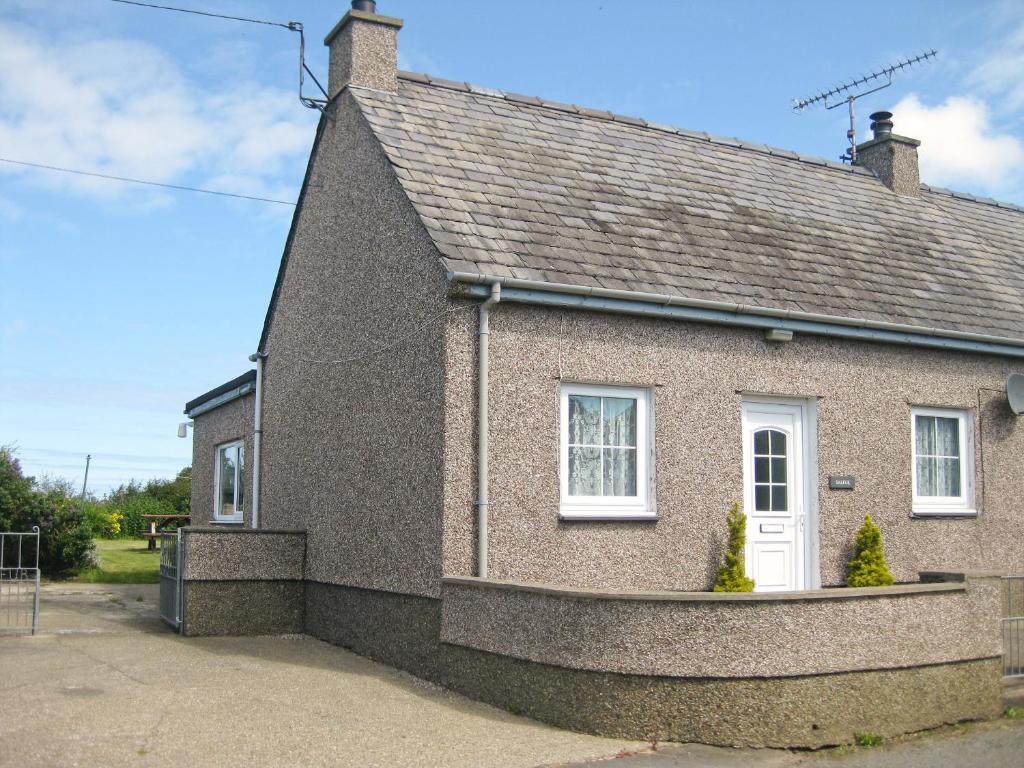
106 684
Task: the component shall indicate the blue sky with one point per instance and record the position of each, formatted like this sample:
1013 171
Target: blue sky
119 302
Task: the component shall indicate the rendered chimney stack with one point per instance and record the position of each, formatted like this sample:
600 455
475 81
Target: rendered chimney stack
363 50
893 158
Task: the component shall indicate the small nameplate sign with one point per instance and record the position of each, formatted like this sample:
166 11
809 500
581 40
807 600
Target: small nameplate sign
840 482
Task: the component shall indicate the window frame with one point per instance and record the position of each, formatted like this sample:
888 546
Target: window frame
638 507
945 506
238 515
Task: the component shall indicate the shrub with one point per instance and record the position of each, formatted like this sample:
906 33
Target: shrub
65 538
176 493
103 523
868 568
731 576
16 497
132 509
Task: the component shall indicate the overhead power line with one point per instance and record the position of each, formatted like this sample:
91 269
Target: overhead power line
294 26
141 181
203 13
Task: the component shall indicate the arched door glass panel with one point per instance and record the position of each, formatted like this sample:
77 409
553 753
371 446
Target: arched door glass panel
771 471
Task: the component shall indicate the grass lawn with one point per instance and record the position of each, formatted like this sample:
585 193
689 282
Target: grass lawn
123 561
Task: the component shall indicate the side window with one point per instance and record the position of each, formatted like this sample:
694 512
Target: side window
605 447
229 469
943 461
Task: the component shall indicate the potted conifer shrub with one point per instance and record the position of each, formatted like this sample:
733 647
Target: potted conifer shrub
867 568
731 576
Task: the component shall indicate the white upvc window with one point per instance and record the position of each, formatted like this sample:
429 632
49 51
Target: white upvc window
605 450
943 461
229 482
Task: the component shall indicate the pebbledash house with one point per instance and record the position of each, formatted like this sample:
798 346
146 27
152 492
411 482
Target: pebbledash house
520 359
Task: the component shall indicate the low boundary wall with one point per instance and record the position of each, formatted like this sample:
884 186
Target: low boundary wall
798 669
795 669
239 581
708 634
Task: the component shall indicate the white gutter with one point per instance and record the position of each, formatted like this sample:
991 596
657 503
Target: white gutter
482 428
218 401
257 437
729 307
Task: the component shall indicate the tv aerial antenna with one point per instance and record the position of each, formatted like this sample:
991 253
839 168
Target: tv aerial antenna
848 93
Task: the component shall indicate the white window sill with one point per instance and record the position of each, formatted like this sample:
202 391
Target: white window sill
227 521
943 512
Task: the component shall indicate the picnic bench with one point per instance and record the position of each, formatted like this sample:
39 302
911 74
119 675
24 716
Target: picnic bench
155 526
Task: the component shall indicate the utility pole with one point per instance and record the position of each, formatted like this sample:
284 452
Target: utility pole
85 482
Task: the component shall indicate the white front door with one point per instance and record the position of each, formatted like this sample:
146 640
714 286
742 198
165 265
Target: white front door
775 459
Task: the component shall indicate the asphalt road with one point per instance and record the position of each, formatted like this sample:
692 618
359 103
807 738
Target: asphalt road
106 684
998 744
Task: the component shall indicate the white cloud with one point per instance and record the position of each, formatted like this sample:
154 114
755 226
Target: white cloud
958 144
125 108
1001 71
412 60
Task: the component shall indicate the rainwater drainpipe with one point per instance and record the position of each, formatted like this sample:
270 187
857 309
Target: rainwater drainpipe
482 426
257 437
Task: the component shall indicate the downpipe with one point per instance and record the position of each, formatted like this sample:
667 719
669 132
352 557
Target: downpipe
482 430
257 437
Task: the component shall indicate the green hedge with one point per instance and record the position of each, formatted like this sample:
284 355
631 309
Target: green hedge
65 536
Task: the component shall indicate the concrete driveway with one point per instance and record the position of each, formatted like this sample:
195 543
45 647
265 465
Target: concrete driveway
106 684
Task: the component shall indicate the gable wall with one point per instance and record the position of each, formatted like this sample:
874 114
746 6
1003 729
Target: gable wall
353 378
864 395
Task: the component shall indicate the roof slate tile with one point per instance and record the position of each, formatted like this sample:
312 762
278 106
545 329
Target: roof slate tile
510 185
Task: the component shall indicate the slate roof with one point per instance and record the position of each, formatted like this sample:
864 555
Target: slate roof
511 186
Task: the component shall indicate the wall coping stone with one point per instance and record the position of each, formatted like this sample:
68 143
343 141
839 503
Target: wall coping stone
934 577
892 137
831 593
220 529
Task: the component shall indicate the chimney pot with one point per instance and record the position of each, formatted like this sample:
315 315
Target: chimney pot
892 158
367 6
881 124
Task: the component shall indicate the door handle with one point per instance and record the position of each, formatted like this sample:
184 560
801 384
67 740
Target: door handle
800 522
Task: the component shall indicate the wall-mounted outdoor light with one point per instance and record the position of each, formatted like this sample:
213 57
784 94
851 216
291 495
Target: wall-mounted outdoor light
778 335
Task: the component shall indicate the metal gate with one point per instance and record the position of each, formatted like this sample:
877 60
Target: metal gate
1013 626
170 578
19 581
